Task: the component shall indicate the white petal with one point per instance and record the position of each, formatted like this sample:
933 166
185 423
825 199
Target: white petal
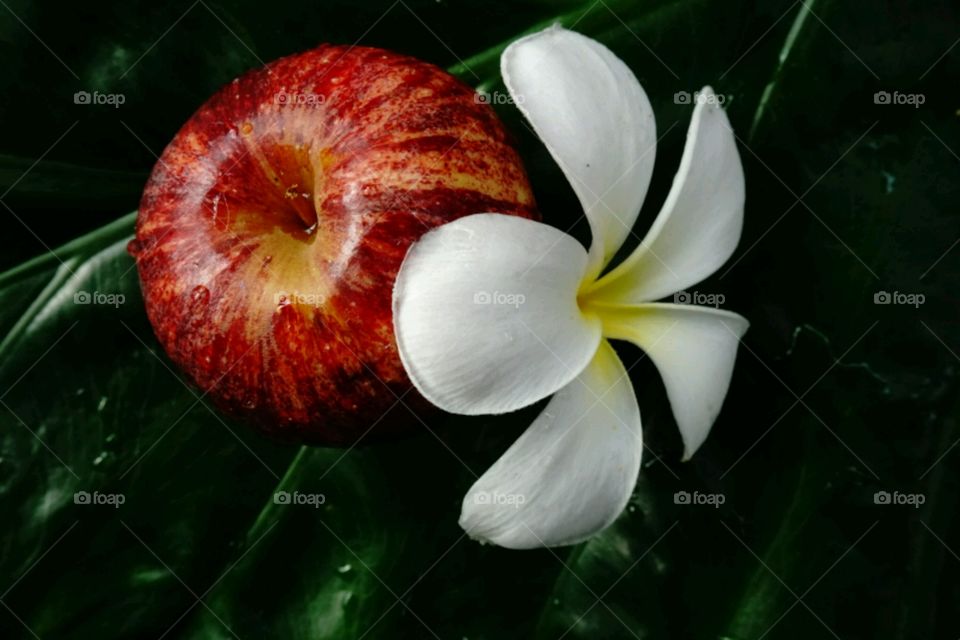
694 349
594 118
700 223
572 471
486 317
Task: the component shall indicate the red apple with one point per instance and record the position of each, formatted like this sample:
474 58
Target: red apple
272 228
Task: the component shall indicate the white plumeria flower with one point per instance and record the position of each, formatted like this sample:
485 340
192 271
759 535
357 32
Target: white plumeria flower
493 313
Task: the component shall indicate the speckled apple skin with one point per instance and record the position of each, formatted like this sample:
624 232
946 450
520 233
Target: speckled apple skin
273 226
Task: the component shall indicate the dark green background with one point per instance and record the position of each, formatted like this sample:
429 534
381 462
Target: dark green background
834 398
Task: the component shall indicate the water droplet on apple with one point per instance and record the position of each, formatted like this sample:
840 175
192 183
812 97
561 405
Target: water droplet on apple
200 295
246 128
134 248
250 404
368 190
